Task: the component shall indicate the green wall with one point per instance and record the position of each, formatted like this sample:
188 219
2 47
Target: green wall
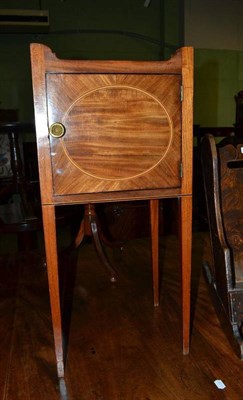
218 73
218 78
95 15
161 21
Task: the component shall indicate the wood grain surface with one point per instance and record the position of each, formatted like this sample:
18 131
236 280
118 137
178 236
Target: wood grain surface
122 132
163 90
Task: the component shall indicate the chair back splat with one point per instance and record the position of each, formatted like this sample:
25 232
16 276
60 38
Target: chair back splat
223 182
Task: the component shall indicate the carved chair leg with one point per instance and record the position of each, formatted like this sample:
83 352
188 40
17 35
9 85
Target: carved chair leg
49 225
185 219
154 221
98 246
103 232
80 235
90 227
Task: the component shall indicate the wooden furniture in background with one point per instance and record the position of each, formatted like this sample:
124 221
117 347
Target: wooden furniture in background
114 131
223 182
6 116
239 110
20 211
199 204
20 205
130 219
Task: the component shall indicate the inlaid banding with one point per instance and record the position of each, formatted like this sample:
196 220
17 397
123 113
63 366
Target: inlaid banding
116 132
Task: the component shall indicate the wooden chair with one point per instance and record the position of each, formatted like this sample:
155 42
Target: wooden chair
223 183
114 131
20 206
20 211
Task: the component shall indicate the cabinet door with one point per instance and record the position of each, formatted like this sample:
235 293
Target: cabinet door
122 132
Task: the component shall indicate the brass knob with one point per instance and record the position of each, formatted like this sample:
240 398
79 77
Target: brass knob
57 130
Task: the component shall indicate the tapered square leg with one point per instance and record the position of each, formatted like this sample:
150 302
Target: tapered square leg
154 221
185 217
49 223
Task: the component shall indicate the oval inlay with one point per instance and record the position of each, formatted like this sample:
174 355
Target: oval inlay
116 132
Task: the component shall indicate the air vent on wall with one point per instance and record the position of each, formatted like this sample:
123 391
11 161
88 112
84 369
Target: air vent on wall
25 21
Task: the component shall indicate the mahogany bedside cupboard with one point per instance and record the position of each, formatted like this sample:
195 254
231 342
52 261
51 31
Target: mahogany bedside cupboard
114 131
